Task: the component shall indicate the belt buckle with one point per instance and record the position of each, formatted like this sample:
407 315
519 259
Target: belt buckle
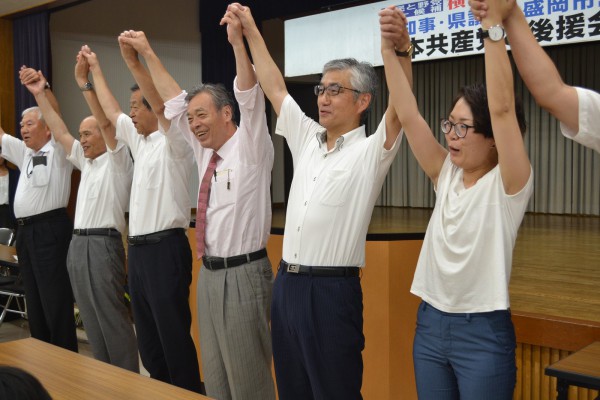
21 221
293 268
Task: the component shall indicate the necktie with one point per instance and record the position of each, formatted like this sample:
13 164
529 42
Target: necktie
203 197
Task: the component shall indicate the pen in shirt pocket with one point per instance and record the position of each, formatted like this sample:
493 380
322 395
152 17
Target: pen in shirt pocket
227 171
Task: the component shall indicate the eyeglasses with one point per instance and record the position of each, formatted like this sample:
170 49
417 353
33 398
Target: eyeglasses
459 128
332 90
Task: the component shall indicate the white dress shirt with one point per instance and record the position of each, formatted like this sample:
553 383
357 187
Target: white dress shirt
41 188
333 192
589 120
161 175
104 188
238 218
4 181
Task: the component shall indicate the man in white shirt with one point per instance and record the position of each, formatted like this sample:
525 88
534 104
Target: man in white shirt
96 258
44 228
159 255
235 283
577 109
338 172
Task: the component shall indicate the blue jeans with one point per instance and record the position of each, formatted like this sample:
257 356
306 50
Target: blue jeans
464 356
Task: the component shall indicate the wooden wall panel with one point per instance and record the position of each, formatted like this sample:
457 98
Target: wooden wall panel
533 383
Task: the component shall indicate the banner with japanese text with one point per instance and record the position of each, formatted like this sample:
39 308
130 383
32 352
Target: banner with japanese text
438 29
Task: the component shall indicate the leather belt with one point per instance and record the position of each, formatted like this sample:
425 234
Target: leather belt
216 263
38 217
298 269
153 238
97 232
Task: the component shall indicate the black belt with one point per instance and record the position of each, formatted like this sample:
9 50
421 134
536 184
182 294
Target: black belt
152 238
38 217
320 271
97 232
215 263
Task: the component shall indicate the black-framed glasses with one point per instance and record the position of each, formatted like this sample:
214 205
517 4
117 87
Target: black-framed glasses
459 128
331 90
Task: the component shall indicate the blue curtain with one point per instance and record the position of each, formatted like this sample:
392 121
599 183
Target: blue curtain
31 41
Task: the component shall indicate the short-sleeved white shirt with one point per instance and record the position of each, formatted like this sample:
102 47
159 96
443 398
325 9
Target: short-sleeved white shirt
333 192
466 258
104 188
238 217
589 120
41 188
161 175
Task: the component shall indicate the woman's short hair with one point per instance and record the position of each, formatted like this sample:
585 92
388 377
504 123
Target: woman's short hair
475 96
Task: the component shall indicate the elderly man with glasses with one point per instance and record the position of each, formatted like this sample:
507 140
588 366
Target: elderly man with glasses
316 318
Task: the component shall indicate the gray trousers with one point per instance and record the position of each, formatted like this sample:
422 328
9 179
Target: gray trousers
96 267
234 308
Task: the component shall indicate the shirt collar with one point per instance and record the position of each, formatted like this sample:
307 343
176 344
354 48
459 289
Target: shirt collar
100 159
227 148
44 150
347 139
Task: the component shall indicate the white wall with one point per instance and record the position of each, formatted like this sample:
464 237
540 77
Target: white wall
97 23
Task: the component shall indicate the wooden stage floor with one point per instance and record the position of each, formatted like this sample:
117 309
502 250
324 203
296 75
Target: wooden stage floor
556 266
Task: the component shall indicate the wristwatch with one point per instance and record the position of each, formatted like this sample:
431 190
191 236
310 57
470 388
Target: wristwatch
407 53
495 33
87 86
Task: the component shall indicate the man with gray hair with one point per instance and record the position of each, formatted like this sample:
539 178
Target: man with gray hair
44 228
316 318
96 258
233 220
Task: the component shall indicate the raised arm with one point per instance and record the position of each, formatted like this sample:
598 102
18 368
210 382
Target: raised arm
166 86
513 160
269 76
109 104
53 120
428 152
29 75
143 79
246 78
82 78
393 26
535 67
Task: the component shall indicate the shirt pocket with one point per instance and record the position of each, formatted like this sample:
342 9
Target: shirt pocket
93 189
40 176
223 189
153 176
335 186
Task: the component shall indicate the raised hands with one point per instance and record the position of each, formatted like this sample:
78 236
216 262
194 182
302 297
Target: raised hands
134 41
394 32
82 69
482 8
33 80
244 16
234 28
90 57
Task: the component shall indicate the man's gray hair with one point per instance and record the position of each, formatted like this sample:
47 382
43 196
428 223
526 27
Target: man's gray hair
36 110
362 74
220 96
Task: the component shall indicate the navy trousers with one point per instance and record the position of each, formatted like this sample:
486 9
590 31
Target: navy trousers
160 275
464 356
42 248
317 329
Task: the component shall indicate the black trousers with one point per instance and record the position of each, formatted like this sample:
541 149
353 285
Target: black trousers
317 329
160 275
42 248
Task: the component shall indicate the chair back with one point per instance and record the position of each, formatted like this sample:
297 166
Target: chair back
7 236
